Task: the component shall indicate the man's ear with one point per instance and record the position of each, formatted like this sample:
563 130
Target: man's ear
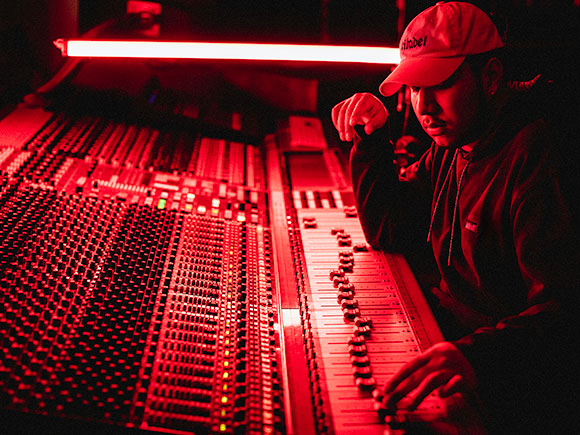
491 76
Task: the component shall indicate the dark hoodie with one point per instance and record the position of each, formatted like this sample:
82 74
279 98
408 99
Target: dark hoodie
505 243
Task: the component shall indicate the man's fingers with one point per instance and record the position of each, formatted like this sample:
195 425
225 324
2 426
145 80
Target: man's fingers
360 109
442 367
345 112
431 382
408 369
339 114
334 114
454 385
404 385
375 120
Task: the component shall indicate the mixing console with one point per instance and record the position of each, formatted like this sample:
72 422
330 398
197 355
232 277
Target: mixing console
156 279
134 292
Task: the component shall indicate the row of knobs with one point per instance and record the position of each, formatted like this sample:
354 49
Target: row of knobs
362 326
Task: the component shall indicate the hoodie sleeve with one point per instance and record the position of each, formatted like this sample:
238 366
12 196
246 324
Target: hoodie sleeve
392 208
528 359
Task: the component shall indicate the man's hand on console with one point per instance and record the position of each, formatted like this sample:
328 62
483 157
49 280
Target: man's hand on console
442 367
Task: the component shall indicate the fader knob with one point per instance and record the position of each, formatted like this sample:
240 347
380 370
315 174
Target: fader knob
363 321
350 314
360 361
349 304
360 350
336 273
366 384
344 294
362 330
362 372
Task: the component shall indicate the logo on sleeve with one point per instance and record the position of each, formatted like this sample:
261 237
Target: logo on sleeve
471 226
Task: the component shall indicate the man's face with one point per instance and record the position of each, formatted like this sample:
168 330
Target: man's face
450 112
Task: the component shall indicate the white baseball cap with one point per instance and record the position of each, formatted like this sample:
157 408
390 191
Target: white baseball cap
437 41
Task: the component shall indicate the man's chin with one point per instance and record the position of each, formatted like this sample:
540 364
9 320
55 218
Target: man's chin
444 141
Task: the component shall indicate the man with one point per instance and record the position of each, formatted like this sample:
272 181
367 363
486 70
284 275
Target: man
488 195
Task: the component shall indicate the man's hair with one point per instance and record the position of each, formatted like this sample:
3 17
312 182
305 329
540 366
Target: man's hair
477 61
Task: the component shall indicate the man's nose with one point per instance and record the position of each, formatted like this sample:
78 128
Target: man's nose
424 101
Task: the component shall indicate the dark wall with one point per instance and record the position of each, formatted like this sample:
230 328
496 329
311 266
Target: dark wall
27 55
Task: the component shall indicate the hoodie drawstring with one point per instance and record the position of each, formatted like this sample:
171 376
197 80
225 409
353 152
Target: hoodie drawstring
455 211
436 207
439 196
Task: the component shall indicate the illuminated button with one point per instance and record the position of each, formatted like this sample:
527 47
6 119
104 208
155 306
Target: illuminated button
337 199
241 217
164 195
188 207
296 199
215 203
201 209
190 197
161 203
310 199
222 190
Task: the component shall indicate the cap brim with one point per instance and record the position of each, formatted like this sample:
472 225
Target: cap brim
421 72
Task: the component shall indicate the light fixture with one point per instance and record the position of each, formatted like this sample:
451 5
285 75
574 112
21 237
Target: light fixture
228 51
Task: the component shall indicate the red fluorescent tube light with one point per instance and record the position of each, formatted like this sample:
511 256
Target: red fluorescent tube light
229 51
